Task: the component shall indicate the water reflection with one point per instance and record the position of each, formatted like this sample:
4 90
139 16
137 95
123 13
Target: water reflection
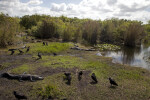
128 54
131 56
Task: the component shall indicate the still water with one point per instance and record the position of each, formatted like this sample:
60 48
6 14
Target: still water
139 57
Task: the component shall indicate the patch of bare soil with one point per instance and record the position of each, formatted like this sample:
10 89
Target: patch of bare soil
46 71
14 61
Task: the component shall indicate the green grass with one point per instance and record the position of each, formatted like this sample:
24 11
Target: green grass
23 68
51 48
5 65
101 69
62 61
129 74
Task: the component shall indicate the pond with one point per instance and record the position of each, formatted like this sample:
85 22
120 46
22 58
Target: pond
139 57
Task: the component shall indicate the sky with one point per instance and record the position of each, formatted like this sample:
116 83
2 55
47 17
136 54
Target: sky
94 9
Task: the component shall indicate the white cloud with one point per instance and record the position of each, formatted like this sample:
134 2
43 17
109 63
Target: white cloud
58 7
35 2
111 2
17 8
96 9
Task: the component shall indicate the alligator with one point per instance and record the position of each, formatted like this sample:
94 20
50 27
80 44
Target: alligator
22 77
77 48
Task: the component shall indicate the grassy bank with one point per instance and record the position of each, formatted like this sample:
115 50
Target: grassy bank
133 82
51 48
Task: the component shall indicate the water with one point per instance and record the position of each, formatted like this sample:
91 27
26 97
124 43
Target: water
131 56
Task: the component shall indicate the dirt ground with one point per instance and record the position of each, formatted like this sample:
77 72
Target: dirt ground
129 88
8 86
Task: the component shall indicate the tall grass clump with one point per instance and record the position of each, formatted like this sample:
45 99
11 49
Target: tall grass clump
49 90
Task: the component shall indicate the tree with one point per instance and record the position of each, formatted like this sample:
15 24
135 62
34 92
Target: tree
29 21
107 32
68 32
91 30
134 34
9 27
46 29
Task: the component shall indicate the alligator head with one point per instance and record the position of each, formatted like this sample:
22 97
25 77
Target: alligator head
5 75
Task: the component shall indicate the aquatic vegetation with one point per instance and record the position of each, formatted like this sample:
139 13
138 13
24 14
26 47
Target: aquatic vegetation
103 47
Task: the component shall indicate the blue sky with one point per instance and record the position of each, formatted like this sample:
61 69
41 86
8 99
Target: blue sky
94 9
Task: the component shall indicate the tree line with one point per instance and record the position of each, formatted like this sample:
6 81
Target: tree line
87 31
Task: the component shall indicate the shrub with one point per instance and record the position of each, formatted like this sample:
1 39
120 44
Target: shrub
9 27
48 28
49 91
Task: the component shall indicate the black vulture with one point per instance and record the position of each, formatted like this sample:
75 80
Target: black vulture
50 98
46 43
28 48
67 74
12 51
80 75
64 99
81 72
20 51
94 77
18 96
39 55
68 77
112 82
43 43
54 54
